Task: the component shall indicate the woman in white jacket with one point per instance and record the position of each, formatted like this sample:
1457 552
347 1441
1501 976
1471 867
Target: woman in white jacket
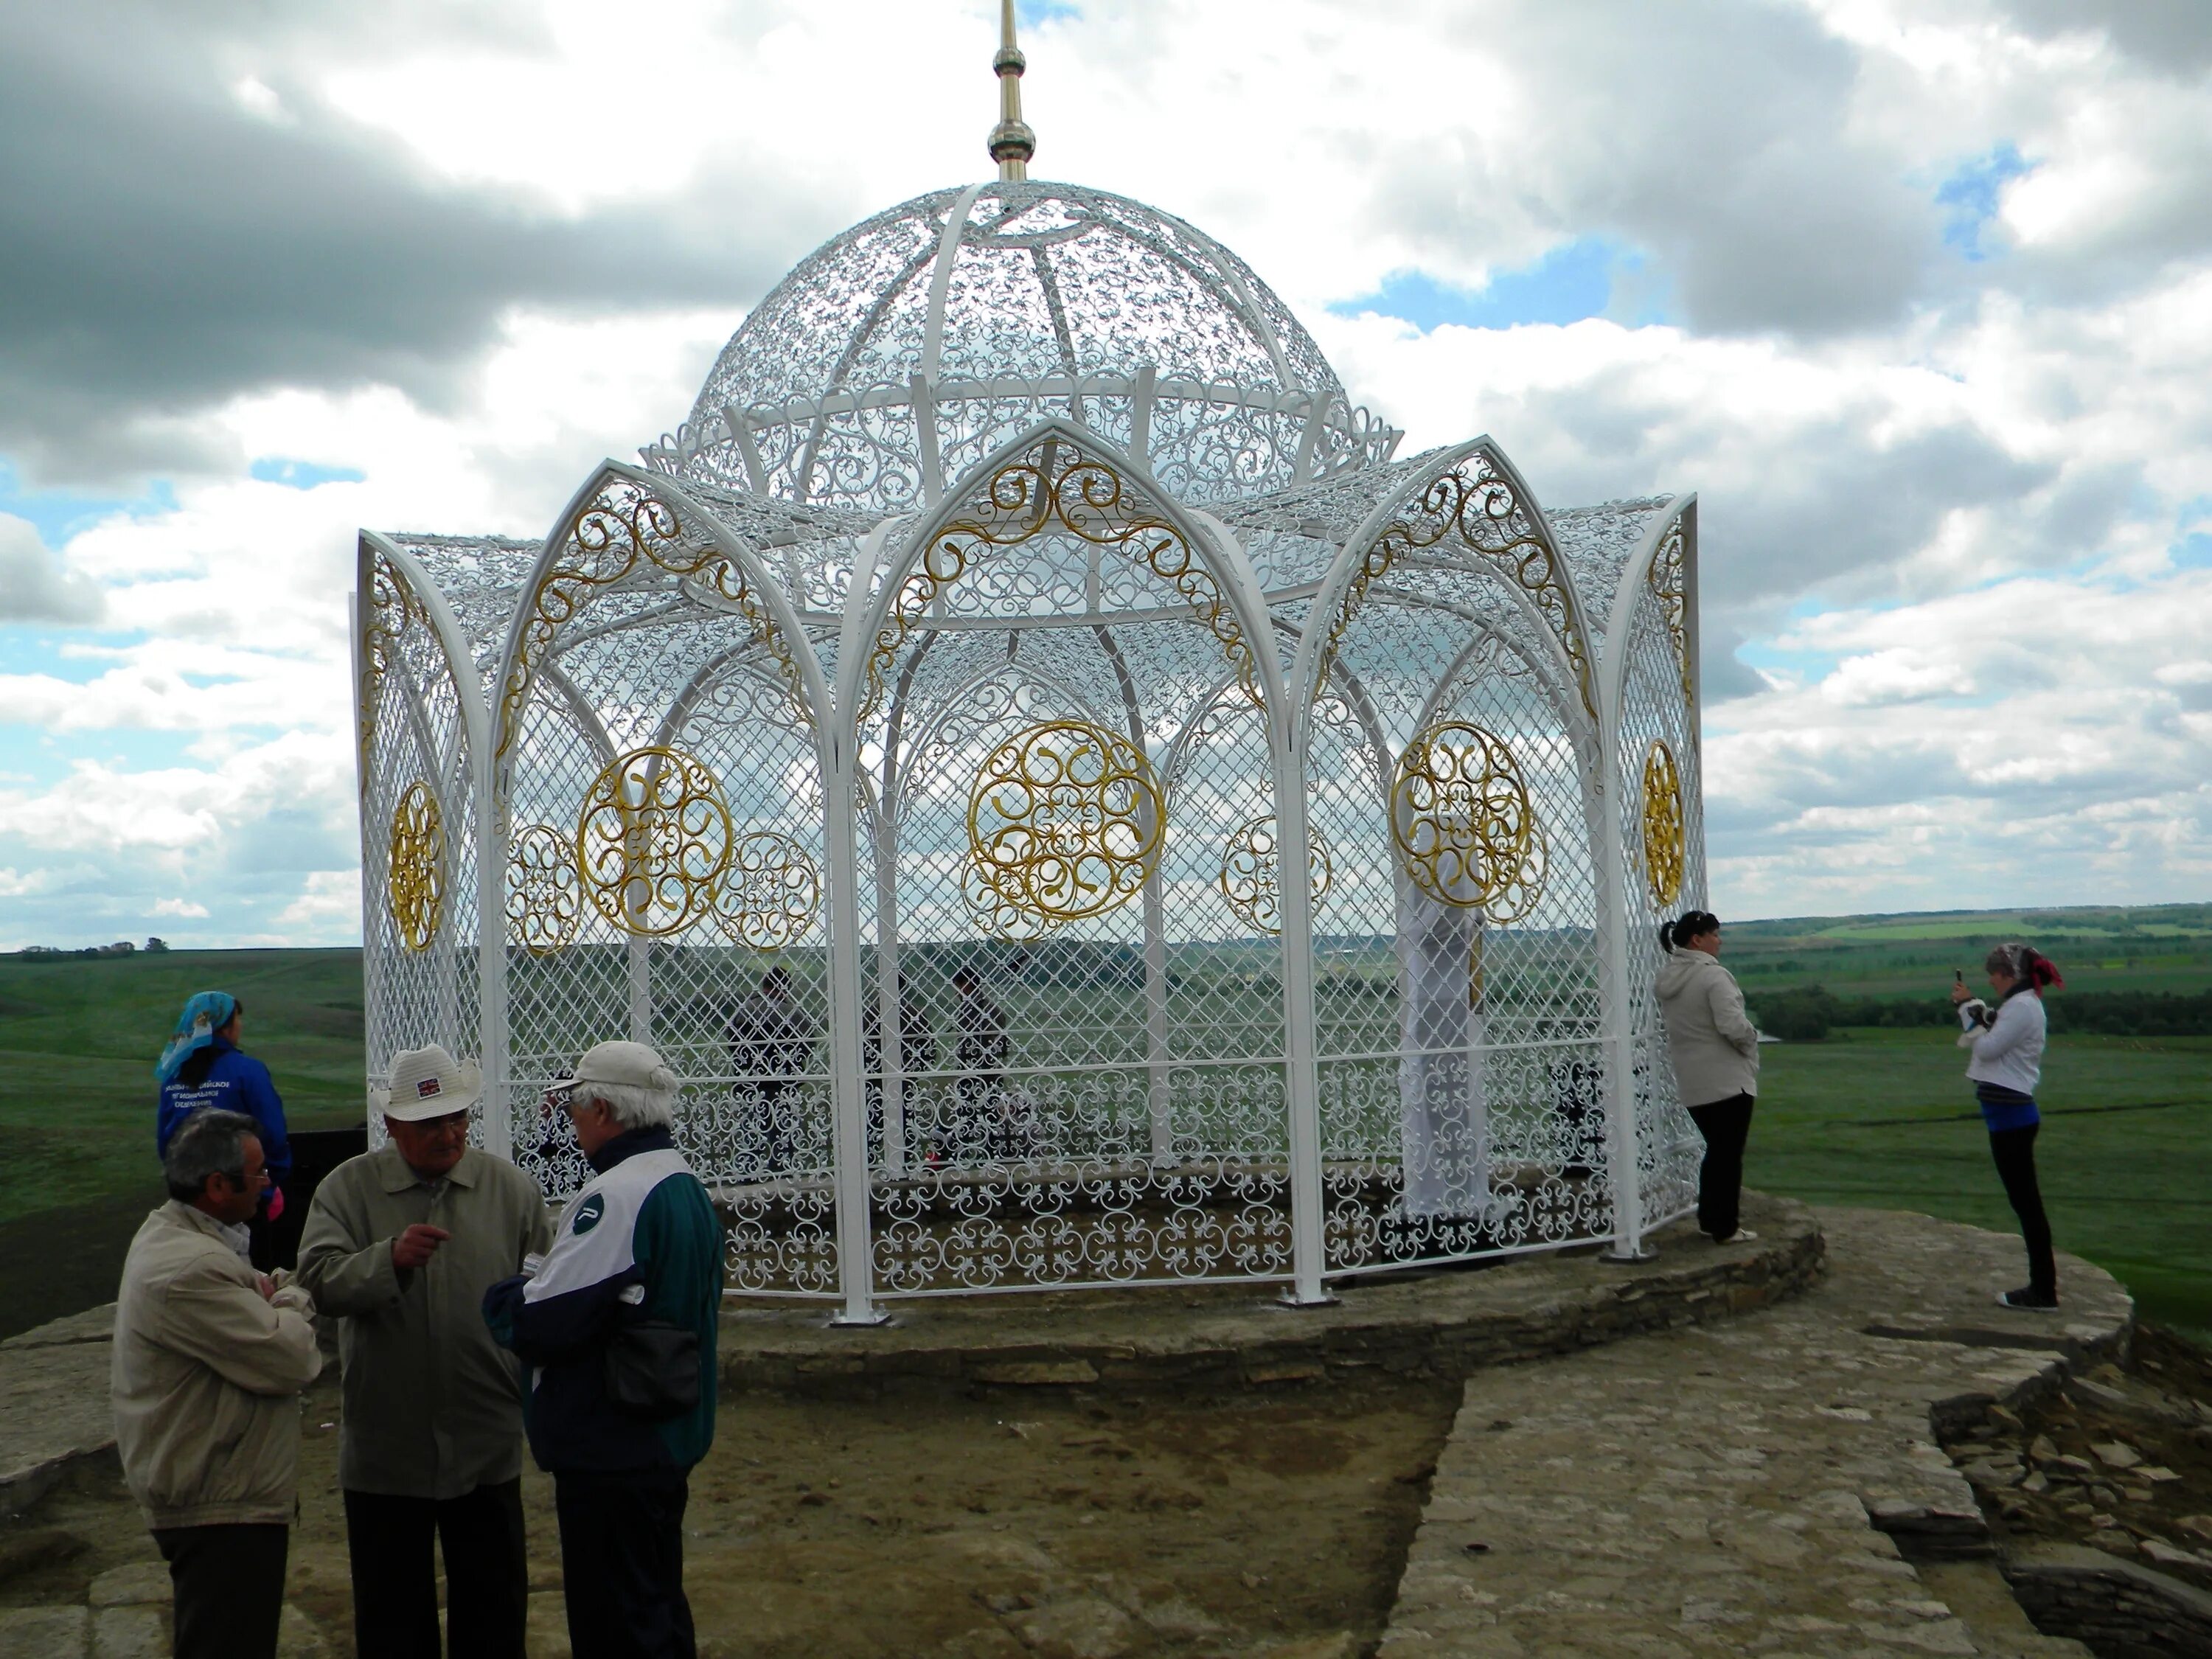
1715 1048
2008 1064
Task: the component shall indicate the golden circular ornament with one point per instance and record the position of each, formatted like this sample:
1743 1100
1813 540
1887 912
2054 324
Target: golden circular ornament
1250 872
653 841
1664 830
1064 821
769 893
1465 827
544 903
417 888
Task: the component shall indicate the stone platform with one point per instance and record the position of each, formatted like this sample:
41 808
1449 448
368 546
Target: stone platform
1443 1321
1768 1486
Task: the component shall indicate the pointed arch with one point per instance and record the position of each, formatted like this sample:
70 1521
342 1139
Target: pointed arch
1473 504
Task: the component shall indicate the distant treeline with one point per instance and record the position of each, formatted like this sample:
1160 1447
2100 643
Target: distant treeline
1809 1014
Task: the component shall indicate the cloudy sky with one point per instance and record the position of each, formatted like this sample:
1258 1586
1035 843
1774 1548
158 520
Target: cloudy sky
1917 293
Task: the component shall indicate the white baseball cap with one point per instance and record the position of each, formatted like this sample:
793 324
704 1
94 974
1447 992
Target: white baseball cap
629 1063
428 1083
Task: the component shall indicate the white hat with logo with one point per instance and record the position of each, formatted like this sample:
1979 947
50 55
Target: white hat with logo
427 1083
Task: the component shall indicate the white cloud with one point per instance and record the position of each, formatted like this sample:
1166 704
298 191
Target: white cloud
1941 497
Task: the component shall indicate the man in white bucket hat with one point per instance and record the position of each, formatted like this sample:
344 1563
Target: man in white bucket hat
402 1243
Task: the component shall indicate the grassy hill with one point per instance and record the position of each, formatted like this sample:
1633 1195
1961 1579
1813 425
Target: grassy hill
1872 1117
2164 947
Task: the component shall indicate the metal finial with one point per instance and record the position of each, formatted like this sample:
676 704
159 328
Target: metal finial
1012 142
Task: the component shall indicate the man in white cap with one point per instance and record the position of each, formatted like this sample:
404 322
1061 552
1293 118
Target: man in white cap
619 1327
402 1243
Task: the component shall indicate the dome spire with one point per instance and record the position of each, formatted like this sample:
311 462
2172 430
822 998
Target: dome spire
1012 142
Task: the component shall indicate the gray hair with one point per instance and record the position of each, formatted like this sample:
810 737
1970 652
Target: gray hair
633 1106
207 1143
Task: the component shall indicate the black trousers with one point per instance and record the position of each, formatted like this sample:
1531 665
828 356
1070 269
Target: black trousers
1726 1125
395 1586
621 1564
2014 1152
229 1583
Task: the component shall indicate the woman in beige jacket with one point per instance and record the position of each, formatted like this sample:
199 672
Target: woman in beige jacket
1715 1048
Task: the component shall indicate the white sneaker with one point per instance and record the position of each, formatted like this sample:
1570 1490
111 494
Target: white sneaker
1741 1235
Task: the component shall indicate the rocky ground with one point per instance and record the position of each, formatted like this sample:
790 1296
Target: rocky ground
1725 1450
2119 1459
1047 1524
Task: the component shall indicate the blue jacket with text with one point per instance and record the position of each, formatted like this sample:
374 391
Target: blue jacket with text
233 1082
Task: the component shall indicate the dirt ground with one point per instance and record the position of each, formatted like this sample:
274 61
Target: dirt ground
1036 1522
2120 1460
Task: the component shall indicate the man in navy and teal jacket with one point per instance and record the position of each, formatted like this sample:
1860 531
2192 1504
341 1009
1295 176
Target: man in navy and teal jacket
635 1275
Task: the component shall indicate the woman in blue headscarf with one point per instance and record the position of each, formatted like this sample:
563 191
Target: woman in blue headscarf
202 1067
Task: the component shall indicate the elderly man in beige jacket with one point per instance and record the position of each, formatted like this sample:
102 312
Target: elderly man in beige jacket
210 1357
401 1243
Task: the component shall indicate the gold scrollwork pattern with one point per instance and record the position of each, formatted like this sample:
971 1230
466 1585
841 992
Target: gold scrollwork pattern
1463 823
1057 484
625 526
417 888
1668 581
1475 506
996 915
392 608
545 896
1064 821
1251 872
1665 832
770 894
652 841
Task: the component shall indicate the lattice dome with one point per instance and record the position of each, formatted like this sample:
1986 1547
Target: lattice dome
1074 808
1003 302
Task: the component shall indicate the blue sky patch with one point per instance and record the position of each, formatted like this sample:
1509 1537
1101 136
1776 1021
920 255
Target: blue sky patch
1590 277
1029 13
2193 552
36 648
1971 196
60 513
301 475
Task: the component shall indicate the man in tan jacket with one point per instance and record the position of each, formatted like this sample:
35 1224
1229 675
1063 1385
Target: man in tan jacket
209 1357
401 1243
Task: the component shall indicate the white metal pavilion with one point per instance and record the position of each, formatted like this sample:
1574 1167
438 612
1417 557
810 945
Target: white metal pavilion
908 748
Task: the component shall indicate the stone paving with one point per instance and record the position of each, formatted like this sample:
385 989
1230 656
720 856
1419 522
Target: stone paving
1745 1487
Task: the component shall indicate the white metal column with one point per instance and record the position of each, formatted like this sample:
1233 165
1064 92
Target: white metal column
848 1105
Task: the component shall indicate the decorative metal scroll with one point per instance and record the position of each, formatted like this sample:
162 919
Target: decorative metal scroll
1056 483
1664 830
623 527
1669 582
770 894
392 606
652 841
416 890
1479 510
1464 825
994 913
545 899
1250 872
1064 821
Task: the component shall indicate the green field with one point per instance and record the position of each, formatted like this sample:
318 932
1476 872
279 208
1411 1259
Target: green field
1886 1119
1880 1118
2164 947
80 1038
